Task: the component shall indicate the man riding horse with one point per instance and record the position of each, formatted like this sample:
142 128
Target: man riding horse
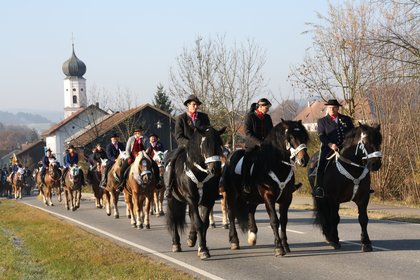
185 126
71 159
112 152
46 160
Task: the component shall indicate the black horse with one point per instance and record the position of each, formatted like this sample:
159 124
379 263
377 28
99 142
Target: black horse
272 181
197 172
347 178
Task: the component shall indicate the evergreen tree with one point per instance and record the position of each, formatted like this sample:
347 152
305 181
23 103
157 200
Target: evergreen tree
162 100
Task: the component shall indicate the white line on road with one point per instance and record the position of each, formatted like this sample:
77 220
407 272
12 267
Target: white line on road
355 243
151 251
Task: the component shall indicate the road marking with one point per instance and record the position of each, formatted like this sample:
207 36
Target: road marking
294 231
148 250
355 243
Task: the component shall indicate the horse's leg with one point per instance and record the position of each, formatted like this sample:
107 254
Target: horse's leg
160 201
114 198
252 225
333 239
192 237
137 209
107 200
66 197
148 199
363 221
59 192
284 217
202 226
225 221
71 198
233 234
79 197
211 219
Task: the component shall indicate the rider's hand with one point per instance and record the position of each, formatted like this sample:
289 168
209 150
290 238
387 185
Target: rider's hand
333 147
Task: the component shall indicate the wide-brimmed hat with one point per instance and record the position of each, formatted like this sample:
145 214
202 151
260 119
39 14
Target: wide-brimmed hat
332 102
138 129
48 150
71 147
264 102
153 134
192 97
115 135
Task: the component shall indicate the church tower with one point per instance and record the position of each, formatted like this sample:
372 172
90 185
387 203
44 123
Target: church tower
74 85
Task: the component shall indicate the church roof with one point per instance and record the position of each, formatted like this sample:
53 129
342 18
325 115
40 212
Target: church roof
74 67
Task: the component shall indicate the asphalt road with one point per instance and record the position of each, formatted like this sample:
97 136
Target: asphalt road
396 252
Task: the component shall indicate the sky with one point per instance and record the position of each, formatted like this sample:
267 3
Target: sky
132 45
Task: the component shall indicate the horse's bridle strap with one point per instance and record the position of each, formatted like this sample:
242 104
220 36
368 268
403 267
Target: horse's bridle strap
294 152
212 159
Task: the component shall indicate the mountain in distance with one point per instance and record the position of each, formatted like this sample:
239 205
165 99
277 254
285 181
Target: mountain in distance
30 116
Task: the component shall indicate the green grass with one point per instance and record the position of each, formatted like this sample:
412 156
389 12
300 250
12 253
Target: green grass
36 245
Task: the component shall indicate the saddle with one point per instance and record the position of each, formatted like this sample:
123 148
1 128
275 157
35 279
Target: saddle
238 167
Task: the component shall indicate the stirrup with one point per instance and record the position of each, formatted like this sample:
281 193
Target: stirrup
246 189
168 193
319 192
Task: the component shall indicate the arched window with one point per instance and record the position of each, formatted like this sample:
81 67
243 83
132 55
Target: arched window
74 99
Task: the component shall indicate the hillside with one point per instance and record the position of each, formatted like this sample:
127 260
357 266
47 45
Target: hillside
21 118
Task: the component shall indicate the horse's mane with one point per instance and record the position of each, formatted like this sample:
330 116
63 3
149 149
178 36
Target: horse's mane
353 136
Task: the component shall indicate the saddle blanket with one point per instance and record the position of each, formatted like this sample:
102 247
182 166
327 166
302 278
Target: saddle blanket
238 167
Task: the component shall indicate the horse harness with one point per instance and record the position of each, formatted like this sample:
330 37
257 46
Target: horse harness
345 173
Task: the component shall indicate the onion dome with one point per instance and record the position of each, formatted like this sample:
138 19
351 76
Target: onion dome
74 67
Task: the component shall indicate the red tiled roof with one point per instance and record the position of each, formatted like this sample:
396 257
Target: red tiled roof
67 120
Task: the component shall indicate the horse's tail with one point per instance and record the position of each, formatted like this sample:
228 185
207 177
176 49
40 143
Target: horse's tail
241 213
175 216
321 213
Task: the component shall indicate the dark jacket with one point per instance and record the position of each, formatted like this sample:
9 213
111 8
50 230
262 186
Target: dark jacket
46 161
158 147
184 127
331 132
97 156
256 129
71 160
112 153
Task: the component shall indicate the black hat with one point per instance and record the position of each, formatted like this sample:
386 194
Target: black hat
153 134
192 97
138 129
48 150
115 135
71 147
264 102
332 102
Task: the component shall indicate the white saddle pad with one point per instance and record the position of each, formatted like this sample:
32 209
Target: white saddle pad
238 167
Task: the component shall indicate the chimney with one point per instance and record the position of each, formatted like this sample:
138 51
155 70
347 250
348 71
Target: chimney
97 104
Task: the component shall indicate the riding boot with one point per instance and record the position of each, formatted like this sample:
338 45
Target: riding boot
103 182
167 179
43 179
319 190
246 176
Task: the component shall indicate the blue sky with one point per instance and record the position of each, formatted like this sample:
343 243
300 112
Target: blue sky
133 44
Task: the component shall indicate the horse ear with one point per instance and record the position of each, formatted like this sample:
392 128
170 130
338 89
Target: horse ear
379 127
300 122
282 120
221 131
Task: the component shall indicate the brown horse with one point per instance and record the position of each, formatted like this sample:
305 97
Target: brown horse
140 186
16 180
114 179
52 180
73 187
93 177
158 194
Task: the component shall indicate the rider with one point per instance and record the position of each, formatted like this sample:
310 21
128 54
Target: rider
135 144
331 130
97 154
71 158
154 146
46 160
257 126
112 152
184 128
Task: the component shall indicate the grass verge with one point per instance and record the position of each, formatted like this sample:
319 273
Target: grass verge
36 245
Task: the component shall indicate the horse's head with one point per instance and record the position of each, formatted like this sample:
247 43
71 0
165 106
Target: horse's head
159 158
101 167
20 175
367 140
53 169
143 165
296 139
205 150
122 157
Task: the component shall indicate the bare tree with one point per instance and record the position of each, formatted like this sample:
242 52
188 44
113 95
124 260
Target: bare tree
225 78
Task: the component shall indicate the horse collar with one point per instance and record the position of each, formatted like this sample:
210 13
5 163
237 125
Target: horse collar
356 181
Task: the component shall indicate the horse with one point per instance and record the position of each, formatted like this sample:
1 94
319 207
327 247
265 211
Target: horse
52 180
73 183
347 178
28 182
222 193
114 180
17 181
5 186
158 195
196 175
273 178
93 177
139 189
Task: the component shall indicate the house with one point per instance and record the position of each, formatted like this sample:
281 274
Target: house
58 137
31 154
152 119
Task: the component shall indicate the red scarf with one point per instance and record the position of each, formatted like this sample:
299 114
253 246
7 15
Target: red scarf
334 118
261 116
137 147
193 116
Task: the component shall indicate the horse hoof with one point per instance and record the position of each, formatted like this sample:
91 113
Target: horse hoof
147 226
213 225
116 216
162 213
134 225
204 255
335 245
191 242
141 226
226 226
129 216
279 252
52 204
367 248
68 208
234 246
286 248
108 214
73 209
176 248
